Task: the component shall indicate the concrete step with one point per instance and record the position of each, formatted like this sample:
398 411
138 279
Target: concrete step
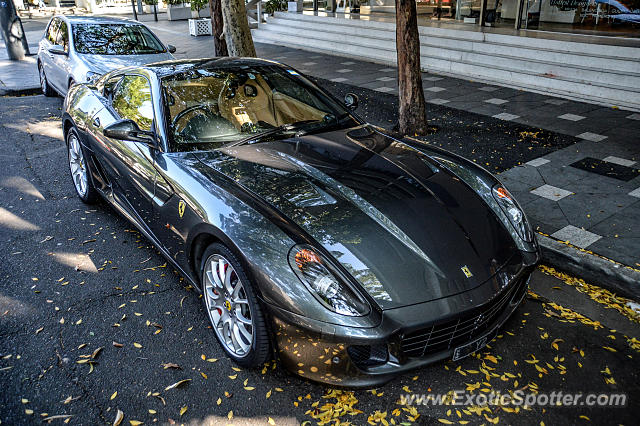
559 59
567 68
605 94
465 53
590 49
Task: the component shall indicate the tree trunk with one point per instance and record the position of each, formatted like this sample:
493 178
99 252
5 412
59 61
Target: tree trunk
217 24
12 31
412 111
236 28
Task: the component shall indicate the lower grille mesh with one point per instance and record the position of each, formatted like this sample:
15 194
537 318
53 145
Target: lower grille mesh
464 328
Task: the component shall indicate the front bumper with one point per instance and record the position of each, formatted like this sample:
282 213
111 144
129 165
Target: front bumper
367 357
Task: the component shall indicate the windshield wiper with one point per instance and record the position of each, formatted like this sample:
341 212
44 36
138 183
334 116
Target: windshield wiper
280 129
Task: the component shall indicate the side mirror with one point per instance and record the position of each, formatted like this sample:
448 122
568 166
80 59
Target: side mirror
128 130
57 50
351 101
171 48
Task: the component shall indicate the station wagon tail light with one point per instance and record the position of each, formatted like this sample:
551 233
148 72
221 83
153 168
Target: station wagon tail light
325 282
512 210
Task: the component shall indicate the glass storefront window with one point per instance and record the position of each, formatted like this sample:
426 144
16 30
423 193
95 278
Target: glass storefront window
598 17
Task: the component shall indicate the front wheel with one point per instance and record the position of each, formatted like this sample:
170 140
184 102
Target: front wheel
79 169
232 307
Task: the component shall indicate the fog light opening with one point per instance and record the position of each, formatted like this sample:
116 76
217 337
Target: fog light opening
368 355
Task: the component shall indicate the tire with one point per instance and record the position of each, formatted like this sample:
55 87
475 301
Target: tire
79 168
47 90
236 344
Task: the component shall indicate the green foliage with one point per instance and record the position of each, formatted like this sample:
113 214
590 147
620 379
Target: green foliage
150 2
198 5
175 2
275 6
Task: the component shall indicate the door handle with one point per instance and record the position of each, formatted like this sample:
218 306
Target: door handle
96 121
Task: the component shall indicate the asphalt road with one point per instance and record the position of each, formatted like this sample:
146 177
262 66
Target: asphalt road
77 278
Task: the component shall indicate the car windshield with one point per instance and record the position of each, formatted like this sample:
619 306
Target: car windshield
208 107
115 39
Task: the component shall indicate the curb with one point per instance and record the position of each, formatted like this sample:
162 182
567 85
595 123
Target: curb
26 91
600 271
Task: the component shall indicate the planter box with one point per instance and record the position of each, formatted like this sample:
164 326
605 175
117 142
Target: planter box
178 13
294 6
204 13
198 27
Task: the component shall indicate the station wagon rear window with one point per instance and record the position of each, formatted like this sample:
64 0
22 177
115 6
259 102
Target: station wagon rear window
115 39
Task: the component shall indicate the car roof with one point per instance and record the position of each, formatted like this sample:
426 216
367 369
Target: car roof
178 66
75 19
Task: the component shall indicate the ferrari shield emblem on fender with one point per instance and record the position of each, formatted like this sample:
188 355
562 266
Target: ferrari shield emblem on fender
181 207
466 271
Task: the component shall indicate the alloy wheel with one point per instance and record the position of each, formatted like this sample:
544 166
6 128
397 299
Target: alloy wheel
77 165
227 306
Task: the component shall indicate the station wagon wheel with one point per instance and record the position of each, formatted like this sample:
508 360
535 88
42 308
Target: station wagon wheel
79 169
232 307
44 84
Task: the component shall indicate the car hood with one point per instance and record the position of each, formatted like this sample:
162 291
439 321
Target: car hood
105 63
405 228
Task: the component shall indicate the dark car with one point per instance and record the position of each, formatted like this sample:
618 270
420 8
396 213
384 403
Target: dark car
350 254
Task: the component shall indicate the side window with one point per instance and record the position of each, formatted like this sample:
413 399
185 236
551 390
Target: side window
62 38
52 30
132 100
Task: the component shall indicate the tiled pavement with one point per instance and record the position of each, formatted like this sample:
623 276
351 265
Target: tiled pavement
587 193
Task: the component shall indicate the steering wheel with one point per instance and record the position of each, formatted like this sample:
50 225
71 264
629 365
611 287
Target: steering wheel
188 111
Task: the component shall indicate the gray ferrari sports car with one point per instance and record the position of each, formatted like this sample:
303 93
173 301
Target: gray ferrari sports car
349 253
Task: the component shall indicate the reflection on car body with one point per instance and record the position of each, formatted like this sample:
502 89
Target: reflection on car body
350 254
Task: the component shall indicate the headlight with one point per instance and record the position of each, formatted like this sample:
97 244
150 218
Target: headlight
325 282
512 210
92 75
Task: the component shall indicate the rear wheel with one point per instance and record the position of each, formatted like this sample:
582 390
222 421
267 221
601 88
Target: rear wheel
79 169
44 84
233 309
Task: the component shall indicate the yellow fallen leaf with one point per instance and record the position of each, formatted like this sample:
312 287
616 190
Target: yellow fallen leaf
135 422
219 401
230 415
271 421
28 412
119 417
269 394
137 345
203 375
152 411
233 377
113 395
176 384
183 410
445 421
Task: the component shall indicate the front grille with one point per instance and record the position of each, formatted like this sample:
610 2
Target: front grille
460 330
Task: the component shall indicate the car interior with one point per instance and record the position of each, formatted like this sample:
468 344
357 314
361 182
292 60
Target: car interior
222 105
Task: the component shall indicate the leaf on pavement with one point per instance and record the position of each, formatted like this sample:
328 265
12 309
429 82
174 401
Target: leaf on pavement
119 417
113 395
183 410
176 384
117 345
230 415
170 365
137 345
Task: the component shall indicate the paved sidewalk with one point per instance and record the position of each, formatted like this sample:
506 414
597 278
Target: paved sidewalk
584 191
